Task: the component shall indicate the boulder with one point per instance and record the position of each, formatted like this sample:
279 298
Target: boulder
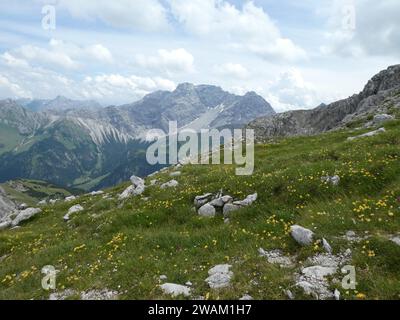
25 215
368 134
73 209
207 211
202 200
302 235
228 208
219 276
381 118
170 184
248 201
70 198
5 224
221 201
175 290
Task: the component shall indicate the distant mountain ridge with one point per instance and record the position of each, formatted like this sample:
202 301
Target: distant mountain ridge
380 95
81 144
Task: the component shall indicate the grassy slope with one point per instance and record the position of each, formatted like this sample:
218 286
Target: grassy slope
9 138
126 248
36 191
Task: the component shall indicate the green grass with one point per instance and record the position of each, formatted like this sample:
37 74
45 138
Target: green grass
36 191
9 138
125 247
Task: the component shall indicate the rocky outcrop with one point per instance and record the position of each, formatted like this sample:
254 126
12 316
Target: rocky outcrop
368 134
219 276
25 215
302 235
380 94
208 204
72 210
175 290
7 207
137 188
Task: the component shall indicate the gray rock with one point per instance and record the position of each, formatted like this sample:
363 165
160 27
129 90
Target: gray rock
70 198
163 277
42 203
368 134
380 91
277 257
7 206
74 209
170 184
25 215
189 284
248 201
5 224
246 297
381 118
396 240
302 235
289 294
97 193
219 276
228 208
221 201
207 211
326 246
175 290
334 180
136 181
202 200
104 294
175 174
22 206
336 294
62 295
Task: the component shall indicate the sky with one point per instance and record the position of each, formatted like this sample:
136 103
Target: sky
296 54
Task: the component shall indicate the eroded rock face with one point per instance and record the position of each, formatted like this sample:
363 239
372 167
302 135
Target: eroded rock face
302 235
313 279
219 276
7 207
378 96
175 290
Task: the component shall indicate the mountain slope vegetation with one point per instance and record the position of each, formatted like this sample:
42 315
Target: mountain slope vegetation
125 245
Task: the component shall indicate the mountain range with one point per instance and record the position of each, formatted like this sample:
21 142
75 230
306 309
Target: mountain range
81 144
380 95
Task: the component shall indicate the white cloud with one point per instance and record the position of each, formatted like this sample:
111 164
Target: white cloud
117 88
373 30
248 29
170 61
290 91
145 15
59 54
11 90
235 70
20 79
